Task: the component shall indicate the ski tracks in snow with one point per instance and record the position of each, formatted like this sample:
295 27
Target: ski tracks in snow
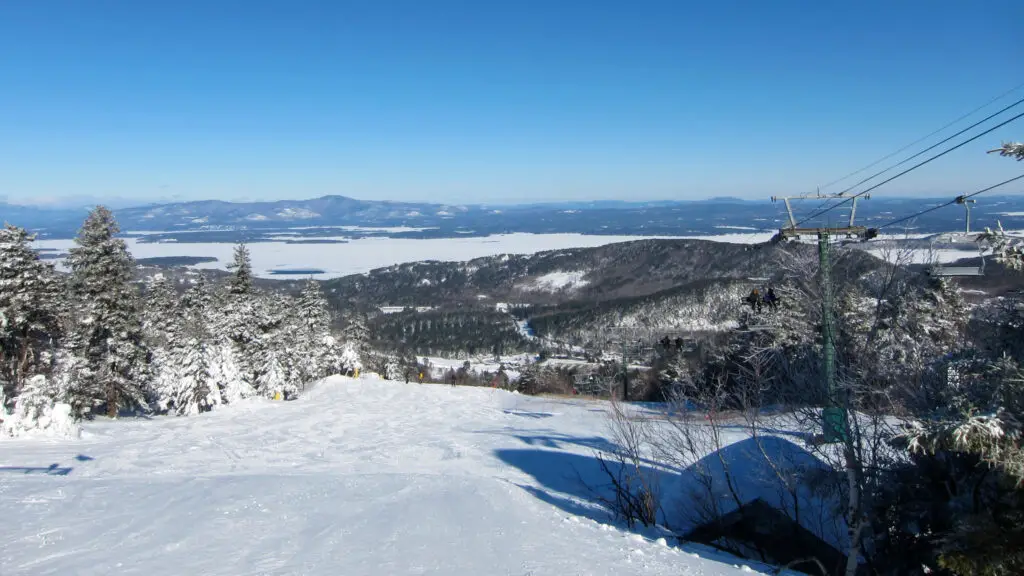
355 477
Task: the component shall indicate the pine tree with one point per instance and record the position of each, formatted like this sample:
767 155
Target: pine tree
226 376
39 410
29 294
313 308
241 267
198 305
193 393
109 335
356 334
317 350
160 312
200 349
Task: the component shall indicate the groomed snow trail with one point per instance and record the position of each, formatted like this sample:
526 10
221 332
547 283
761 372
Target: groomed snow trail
356 477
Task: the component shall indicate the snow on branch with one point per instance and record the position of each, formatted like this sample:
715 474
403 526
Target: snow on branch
1005 249
1010 149
994 437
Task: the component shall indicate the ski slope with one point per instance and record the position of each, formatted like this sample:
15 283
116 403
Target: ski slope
355 477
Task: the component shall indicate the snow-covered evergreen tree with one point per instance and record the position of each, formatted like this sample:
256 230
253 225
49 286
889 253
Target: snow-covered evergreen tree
317 350
40 410
197 304
356 333
108 328
226 376
313 307
29 294
193 393
160 313
349 359
200 349
241 268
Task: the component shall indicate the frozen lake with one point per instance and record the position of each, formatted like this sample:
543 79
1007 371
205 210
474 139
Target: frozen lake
360 255
357 256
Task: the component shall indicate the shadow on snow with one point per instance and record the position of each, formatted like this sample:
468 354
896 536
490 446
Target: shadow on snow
51 470
54 469
690 498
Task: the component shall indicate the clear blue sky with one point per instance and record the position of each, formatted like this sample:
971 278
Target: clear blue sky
463 101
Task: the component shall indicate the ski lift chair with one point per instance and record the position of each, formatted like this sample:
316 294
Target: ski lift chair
758 324
957 271
944 271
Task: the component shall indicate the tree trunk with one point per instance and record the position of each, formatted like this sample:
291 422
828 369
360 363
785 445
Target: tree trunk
22 367
853 516
112 398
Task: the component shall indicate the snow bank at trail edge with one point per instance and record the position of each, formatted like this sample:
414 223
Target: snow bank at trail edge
355 477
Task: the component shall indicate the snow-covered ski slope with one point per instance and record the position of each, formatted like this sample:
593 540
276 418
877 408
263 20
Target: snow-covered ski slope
356 477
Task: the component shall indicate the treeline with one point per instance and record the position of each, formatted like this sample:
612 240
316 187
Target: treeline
95 342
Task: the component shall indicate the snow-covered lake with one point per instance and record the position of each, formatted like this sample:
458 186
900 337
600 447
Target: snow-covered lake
360 255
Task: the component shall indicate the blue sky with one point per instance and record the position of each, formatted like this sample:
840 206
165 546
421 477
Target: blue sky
463 101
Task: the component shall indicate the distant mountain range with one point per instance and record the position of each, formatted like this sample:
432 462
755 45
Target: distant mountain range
712 216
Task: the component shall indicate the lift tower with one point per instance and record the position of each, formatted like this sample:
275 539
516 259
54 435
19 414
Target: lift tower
834 414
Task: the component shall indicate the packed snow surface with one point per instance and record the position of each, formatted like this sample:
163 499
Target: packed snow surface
355 477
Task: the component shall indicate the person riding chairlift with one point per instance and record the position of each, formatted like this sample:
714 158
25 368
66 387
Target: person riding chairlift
754 300
771 299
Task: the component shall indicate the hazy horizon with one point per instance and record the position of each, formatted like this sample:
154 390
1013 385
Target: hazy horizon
466 103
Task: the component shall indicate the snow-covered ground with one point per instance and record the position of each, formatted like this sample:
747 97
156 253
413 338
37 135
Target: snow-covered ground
555 281
355 477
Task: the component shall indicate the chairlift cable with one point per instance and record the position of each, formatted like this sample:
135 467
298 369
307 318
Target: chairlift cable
932 147
949 203
918 165
921 139
927 136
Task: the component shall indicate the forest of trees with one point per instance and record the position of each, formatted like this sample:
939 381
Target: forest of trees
450 332
95 342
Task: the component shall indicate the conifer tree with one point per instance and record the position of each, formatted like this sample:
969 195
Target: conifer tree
356 334
317 349
109 329
29 294
241 268
193 393
199 351
313 308
160 311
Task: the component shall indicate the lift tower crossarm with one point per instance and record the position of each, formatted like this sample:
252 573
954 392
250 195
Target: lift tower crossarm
817 195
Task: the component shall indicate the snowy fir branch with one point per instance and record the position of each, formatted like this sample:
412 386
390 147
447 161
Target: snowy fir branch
1011 150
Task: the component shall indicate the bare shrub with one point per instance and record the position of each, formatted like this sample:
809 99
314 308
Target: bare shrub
635 491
